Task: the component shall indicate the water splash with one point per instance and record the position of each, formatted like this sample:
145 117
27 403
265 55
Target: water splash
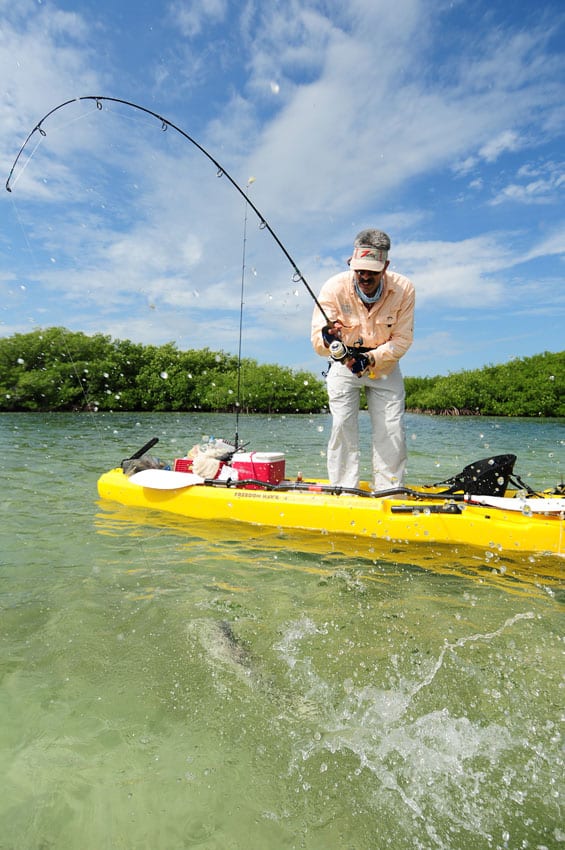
443 768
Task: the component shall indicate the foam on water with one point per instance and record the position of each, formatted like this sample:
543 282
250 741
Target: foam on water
452 775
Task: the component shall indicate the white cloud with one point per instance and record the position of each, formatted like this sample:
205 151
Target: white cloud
551 244
508 140
361 127
546 185
45 59
467 274
427 346
464 166
535 192
191 17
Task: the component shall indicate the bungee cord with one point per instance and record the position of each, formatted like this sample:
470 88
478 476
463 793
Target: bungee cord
220 171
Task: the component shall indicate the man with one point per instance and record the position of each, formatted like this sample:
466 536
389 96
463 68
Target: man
372 313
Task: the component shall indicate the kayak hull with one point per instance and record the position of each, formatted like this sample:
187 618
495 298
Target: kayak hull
398 519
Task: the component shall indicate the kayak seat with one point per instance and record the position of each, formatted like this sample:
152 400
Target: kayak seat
487 477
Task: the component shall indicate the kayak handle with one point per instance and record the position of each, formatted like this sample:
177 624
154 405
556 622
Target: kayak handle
140 452
445 508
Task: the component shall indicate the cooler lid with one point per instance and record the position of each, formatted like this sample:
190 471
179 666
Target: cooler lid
257 457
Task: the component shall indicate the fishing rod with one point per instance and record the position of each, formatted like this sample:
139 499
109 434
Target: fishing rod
221 172
238 395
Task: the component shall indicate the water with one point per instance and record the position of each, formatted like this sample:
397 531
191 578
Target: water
168 684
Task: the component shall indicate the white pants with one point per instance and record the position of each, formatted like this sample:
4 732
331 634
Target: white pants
385 401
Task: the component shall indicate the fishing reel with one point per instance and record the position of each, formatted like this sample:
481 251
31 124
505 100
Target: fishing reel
341 353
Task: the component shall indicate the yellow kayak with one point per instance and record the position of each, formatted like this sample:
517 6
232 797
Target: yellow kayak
510 523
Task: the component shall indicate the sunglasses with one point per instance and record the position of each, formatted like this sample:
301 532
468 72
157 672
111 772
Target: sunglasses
367 273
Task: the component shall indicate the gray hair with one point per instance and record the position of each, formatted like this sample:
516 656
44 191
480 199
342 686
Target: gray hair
375 238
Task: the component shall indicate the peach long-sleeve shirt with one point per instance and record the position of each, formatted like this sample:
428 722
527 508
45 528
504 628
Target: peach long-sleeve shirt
386 330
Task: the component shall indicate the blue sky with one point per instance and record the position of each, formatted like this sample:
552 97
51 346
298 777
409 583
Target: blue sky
442 123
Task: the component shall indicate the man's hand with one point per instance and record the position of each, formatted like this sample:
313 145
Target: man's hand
331 332
358 364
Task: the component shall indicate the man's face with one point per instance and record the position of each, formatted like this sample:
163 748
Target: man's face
368 281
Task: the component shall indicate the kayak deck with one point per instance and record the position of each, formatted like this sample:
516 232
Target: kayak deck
425 518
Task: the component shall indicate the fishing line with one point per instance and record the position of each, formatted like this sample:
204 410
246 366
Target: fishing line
22 228
221 172
63 334
238 392
64 340
26 163
42 134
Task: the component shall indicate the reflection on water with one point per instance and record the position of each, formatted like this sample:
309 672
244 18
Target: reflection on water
166 686
320 552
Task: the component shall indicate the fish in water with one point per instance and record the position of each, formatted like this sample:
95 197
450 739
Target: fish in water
225 653
222 647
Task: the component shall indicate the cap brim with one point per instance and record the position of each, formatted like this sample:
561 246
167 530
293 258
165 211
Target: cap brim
360 264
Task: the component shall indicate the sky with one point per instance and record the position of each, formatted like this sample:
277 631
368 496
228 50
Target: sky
442 123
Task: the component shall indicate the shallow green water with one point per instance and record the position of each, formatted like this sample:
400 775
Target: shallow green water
173 685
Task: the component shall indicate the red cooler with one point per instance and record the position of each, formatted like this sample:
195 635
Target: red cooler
262 466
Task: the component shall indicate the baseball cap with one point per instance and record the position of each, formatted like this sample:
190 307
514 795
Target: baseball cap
370 250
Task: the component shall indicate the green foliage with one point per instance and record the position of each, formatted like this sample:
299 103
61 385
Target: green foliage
56 369
529 386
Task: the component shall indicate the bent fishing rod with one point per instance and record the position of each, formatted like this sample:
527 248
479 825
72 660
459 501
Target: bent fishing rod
221 172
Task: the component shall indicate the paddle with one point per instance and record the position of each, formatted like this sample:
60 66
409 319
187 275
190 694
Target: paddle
165 479
526 506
